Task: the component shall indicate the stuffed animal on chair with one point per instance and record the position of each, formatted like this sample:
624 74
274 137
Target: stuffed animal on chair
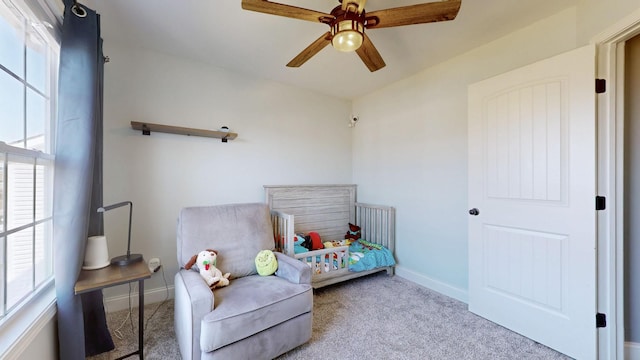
206 261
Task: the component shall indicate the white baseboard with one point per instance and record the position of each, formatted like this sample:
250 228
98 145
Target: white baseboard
435 285
121 302
631 351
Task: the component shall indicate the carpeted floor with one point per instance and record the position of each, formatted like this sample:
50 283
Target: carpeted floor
375 317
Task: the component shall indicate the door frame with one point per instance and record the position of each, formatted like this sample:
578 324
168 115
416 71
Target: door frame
610 46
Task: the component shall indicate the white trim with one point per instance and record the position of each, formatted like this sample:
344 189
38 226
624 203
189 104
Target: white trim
631 351
121 302
609 346
617 222
33 154
610 44
433 284
22 328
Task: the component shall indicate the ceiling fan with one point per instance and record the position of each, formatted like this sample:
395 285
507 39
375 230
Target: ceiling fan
348 21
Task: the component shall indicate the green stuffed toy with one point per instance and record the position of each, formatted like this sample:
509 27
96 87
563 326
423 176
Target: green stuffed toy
266 263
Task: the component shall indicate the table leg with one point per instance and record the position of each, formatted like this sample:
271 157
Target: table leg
141 318
140 323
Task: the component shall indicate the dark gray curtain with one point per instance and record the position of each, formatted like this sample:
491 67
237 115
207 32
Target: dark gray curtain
78 182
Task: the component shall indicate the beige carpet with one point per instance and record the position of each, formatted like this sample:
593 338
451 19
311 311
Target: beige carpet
376 317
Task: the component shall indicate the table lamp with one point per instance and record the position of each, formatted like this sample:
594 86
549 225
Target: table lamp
129 257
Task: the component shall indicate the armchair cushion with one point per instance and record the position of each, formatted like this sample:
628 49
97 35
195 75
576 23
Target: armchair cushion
237 231
250 305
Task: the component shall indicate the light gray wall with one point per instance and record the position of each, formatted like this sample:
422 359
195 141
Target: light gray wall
285 136
410 149
595 16
632 191
44 345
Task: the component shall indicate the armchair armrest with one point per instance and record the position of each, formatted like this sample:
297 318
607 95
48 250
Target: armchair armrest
193 300
292 269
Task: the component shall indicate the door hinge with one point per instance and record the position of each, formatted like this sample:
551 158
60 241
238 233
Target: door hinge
601 86
601 320
601 203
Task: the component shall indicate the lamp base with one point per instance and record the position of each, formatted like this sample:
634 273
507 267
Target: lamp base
123 260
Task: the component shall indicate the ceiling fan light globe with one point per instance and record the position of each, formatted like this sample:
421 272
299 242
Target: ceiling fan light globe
347 35
347 41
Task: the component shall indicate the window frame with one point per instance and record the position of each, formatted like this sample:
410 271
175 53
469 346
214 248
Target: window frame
8 152
20 324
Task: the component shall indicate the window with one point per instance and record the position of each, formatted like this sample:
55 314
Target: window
28 71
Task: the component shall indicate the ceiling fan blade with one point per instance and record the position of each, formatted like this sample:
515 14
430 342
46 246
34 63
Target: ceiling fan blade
370 55
413 14
268 7
311 50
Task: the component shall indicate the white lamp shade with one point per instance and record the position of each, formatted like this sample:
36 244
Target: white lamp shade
96 254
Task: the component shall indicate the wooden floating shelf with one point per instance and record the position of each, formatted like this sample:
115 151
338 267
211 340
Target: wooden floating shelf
147 128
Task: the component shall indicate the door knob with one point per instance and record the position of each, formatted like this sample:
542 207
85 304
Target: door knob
474 212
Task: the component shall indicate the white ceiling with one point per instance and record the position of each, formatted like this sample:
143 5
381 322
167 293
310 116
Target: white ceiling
220 33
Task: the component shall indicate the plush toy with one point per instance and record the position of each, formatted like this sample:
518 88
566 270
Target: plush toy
353 234
307 242
333 243
206 261
315 241
266 263
298 244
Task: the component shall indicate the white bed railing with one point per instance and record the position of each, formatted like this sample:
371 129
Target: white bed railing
327 262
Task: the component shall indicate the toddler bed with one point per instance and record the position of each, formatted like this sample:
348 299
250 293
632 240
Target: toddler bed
328 210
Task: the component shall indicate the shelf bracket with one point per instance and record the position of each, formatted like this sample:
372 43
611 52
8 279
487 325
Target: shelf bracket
145 130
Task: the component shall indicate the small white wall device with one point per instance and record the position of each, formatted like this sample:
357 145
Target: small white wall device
154 265
353 120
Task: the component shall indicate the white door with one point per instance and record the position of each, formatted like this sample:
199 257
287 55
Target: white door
532 171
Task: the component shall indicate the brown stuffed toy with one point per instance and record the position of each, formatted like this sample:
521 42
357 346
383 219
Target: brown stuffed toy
353 234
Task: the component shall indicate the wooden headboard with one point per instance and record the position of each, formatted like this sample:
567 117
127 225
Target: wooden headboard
326 209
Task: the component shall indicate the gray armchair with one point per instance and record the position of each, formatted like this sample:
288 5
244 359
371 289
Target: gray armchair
255 317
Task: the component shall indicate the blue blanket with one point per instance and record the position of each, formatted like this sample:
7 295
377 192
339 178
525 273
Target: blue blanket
366 256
